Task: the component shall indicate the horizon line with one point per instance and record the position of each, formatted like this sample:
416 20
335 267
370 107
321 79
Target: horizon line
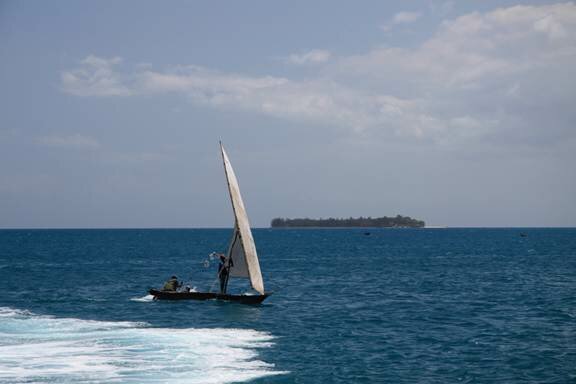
282 228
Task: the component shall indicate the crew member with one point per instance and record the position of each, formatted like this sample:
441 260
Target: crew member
223 271
172 285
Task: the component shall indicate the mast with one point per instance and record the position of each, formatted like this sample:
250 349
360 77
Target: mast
242 256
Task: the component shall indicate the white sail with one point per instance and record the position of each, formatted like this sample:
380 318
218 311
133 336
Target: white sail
242 250
238 266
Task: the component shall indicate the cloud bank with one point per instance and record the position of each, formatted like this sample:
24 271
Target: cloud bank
508 75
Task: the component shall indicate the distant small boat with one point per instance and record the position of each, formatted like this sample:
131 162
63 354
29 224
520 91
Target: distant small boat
241 259
523 235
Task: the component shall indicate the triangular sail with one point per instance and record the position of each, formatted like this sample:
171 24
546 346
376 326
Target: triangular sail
242 250
238 266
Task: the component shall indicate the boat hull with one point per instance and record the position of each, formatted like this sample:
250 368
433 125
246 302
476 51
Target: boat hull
243 299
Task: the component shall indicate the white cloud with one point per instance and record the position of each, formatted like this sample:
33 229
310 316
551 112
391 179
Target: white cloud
507 74
405 17
312 57
75 141
95 77
512 69
401 18
314 101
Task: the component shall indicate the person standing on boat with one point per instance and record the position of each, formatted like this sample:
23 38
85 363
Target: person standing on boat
172 285
223 271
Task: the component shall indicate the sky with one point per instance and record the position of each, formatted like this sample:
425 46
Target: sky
461 114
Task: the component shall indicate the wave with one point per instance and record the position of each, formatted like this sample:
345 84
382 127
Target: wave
45 349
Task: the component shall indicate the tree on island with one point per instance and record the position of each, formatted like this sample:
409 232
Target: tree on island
383 222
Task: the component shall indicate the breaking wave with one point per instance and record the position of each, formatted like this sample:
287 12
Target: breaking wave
45 349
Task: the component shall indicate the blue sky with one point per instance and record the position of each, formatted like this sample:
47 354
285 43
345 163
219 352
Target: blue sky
458 113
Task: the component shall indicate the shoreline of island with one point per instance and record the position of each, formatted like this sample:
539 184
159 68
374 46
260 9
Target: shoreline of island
397 221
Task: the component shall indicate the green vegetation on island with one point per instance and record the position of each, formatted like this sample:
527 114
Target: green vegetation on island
381 222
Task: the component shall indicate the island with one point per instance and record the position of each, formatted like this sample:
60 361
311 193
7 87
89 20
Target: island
379 222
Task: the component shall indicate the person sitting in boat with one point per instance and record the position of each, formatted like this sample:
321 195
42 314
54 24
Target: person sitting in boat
172 285
223 271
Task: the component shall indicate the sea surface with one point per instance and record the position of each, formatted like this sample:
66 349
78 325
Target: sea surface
349 306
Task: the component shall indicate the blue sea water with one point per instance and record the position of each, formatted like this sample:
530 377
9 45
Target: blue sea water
391 306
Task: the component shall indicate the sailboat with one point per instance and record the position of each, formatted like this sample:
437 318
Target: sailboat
241 259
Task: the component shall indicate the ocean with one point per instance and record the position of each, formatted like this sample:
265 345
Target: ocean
349 306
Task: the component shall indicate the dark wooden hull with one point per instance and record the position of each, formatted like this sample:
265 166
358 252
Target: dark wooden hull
243 299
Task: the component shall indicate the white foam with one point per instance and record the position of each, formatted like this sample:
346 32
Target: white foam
43 349
150 298
143 299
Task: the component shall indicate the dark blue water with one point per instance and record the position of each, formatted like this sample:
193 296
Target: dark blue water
395 306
